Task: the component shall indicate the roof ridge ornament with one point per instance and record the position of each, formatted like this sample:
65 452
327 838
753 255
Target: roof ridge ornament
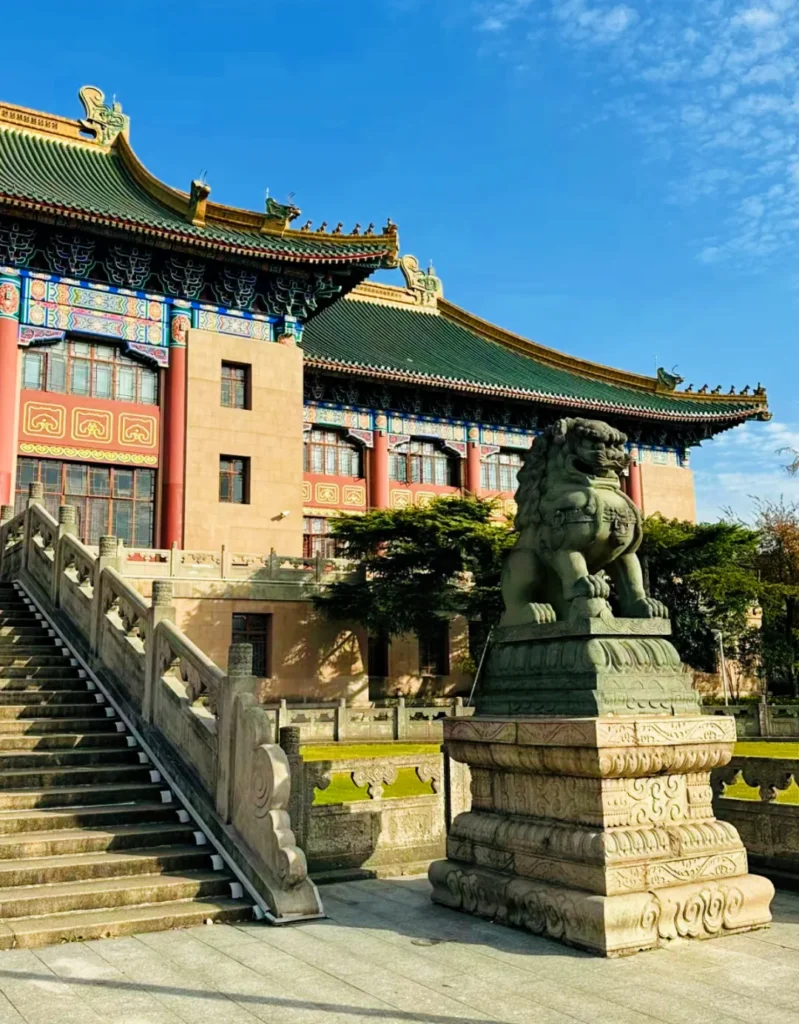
667 381
425 285
279 215
103 121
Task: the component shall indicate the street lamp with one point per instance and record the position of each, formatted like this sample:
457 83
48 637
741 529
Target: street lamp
716 634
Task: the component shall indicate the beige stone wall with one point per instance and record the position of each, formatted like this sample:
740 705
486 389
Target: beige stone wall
668 490
270 434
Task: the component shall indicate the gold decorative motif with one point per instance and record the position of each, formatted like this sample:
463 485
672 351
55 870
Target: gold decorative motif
306 490
327 494
138 429
354 495
44 420
401 499
425 285
92 425
510 507
97 455
424 497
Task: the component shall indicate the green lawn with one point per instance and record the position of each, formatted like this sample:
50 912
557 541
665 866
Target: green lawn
765 748
342 790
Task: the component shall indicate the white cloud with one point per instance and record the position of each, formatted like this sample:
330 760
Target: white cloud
710 88
756 19
742 465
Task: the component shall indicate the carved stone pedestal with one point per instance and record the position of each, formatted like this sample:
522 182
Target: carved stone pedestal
598 831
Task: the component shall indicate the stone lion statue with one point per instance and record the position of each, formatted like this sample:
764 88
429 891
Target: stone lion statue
574 521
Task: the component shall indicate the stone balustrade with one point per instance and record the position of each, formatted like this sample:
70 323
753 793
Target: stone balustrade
321 722
767 823
387 813
760 719
225 564
204 724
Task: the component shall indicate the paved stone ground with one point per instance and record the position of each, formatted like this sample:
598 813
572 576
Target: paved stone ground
386 955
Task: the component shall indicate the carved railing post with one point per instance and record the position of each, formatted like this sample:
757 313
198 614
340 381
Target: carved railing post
161 608
340 721
108 557
239 680
400 720
299 804
6 515
67 525
35 497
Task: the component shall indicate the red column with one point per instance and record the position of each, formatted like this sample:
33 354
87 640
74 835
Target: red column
9 379
473 468
379 465
634 485
174 471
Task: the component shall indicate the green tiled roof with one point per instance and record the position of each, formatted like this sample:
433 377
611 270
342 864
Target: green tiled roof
92 182
384 340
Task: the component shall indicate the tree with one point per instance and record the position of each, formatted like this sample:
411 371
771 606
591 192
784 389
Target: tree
420 564
706 574
777 563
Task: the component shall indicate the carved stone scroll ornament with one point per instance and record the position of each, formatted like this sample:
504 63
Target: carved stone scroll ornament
260 809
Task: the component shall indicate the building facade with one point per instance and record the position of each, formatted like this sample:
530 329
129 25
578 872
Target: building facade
198 376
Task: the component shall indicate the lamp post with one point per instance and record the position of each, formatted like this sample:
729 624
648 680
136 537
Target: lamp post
722 663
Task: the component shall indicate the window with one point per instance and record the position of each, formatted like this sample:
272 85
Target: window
92 369
328 452
498 471
422 462
377 657
236 386
255 630
234 479
316 538
434 649
109 500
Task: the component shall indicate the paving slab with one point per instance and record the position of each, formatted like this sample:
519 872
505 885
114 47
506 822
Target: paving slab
386 955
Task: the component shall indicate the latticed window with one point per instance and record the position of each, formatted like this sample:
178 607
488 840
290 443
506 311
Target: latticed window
234 479
236 386
92 369
434 649
422 462
109 500
317 539
254 629
498 471
329 452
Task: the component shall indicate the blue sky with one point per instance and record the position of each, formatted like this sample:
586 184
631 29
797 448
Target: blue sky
617 180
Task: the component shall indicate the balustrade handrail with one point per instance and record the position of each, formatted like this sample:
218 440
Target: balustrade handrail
180 644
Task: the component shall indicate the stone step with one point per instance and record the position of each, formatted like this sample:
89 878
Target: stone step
23 657
105 864
59 741
33 644
81 796
37 684
110 893
47 819
31 932
85 840
39 697
27 778
26 630
55 710
42 726
117 755
63 671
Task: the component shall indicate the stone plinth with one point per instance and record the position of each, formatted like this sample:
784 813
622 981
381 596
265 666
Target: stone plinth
589 665
598 831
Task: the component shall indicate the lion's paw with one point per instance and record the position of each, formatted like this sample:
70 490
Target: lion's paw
592 586
542 613
648 608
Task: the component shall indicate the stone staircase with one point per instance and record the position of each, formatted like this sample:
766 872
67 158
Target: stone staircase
93 843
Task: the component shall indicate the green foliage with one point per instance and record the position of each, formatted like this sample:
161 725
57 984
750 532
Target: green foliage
705 573
419 564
